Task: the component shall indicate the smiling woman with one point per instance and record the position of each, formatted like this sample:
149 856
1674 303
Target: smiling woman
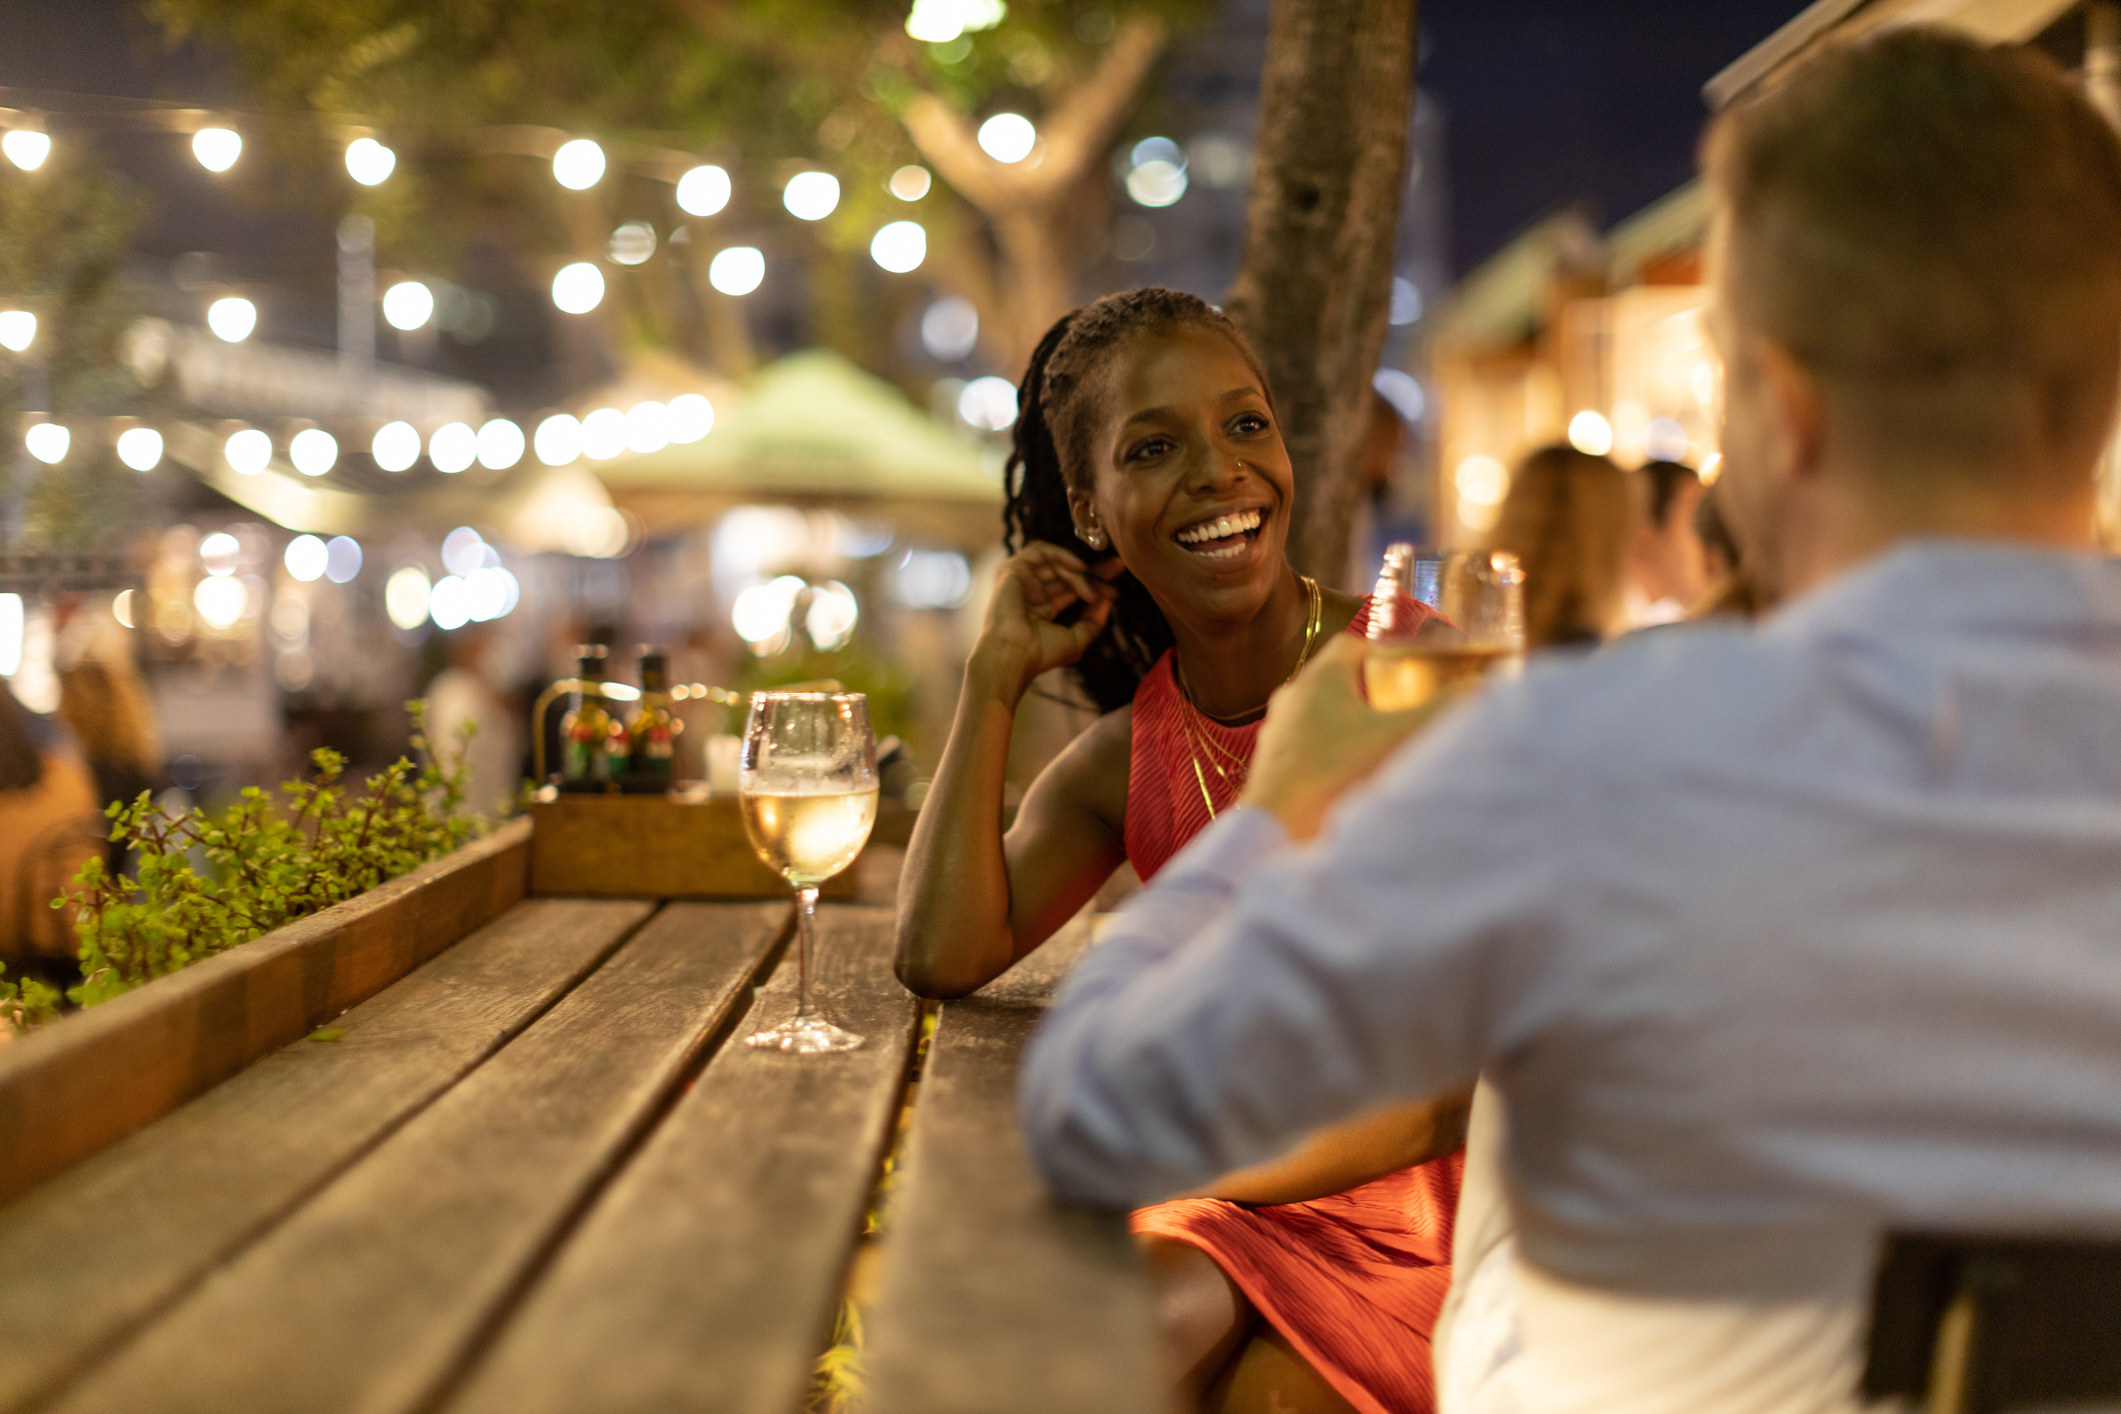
1150 498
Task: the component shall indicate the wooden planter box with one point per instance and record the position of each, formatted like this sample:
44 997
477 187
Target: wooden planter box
92 1078
646 846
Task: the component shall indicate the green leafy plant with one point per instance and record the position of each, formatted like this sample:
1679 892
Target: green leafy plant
207 881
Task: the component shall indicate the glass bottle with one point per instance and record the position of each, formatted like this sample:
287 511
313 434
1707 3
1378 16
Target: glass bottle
652 729
592 741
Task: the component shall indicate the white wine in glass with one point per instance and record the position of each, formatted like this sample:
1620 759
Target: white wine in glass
1476 629
808 786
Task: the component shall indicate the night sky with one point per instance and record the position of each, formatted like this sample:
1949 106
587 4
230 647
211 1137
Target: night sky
1549 101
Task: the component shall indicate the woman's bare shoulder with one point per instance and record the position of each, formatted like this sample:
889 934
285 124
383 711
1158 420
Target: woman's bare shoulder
1338 610
1090 774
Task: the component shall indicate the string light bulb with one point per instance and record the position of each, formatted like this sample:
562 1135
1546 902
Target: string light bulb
369 162
217 148
578 165
26 147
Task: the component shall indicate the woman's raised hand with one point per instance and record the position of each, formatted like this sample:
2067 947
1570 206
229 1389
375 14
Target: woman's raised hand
1023 635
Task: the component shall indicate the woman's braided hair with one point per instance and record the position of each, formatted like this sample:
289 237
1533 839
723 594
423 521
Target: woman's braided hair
1051 455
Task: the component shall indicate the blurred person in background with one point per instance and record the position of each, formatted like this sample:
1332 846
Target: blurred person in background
1667 569
467 692
1730 583
49 827
1568 518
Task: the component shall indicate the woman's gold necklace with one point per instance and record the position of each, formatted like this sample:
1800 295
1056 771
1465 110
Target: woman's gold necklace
1200 740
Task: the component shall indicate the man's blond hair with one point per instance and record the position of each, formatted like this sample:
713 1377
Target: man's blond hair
1932 227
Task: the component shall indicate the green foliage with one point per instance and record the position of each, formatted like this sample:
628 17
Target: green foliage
208 881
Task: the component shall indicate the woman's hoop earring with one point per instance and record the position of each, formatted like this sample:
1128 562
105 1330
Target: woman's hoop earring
1093 537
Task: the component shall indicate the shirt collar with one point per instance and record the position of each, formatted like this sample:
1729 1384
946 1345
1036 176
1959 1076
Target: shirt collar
1964 585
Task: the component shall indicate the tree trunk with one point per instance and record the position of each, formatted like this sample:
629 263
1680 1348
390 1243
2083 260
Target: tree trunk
1315 284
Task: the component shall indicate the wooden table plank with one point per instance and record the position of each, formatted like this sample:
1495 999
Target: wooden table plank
91 1252
992 1297
708 1276
367 1297
71 1089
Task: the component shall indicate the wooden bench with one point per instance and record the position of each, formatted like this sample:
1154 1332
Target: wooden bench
539 1173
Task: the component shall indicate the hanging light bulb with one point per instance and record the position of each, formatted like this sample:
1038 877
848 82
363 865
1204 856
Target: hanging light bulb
578 165
369 162
217 148
26 147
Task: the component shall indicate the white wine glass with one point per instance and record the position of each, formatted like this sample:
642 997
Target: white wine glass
1477 630
807 780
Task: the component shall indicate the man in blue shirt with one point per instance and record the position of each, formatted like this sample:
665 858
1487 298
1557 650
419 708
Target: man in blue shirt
1771 938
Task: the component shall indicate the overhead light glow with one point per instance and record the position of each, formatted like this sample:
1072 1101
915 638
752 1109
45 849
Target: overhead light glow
26 148
647 427
463 550
558 440
313 451
578 165
703 191
691 418
220 553
405 596
232 318
633 243
940 21
18 330
453 447
369 162
449 603
1665 440
490 592
248 452
121 608
900 247
832 615
910 183
1590 433
47 442
396 446
604 434
14 630
306 558
140 448
342 558
1156 182
219 601
578 288
1403 391
217 148
760 613
1008 137
1406 301
988 403
950 329
407 305
500 444
1482 480
738 270
811 196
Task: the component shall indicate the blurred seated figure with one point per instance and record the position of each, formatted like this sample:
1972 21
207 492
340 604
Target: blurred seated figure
107 711
1567 518
49 827
1730 588
467 691
1666 567
1774 939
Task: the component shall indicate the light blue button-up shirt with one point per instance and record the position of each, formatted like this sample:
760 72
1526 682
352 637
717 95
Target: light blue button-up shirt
1771 938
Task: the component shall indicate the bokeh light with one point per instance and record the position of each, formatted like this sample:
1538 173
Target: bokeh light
500 444
647 427
140 448
26 148
306 558
811 196
453 447
217 148
691 418
578 165
407 305
910 183
342 558
396 446
950 329
313 451
1008 137
232 318
405 596
604 434
738 270
558 440
900 247
578 288
988 403
18 330
47 441
1590 433
369 162
247 451
703 191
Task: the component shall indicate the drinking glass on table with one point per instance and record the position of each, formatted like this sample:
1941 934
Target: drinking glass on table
807 780
1477 629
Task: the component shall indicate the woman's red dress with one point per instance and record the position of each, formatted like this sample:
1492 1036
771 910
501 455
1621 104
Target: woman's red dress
1355 1280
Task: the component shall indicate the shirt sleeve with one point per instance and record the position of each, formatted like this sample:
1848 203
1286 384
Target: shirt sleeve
1257 991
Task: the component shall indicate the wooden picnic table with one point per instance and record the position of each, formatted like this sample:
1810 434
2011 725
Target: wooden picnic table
540 1173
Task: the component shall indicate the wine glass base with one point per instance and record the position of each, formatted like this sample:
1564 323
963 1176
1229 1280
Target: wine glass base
804 1035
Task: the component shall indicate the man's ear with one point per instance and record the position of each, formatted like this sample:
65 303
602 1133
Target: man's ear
1798 407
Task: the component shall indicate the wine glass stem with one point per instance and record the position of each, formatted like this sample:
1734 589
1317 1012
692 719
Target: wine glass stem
806 932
